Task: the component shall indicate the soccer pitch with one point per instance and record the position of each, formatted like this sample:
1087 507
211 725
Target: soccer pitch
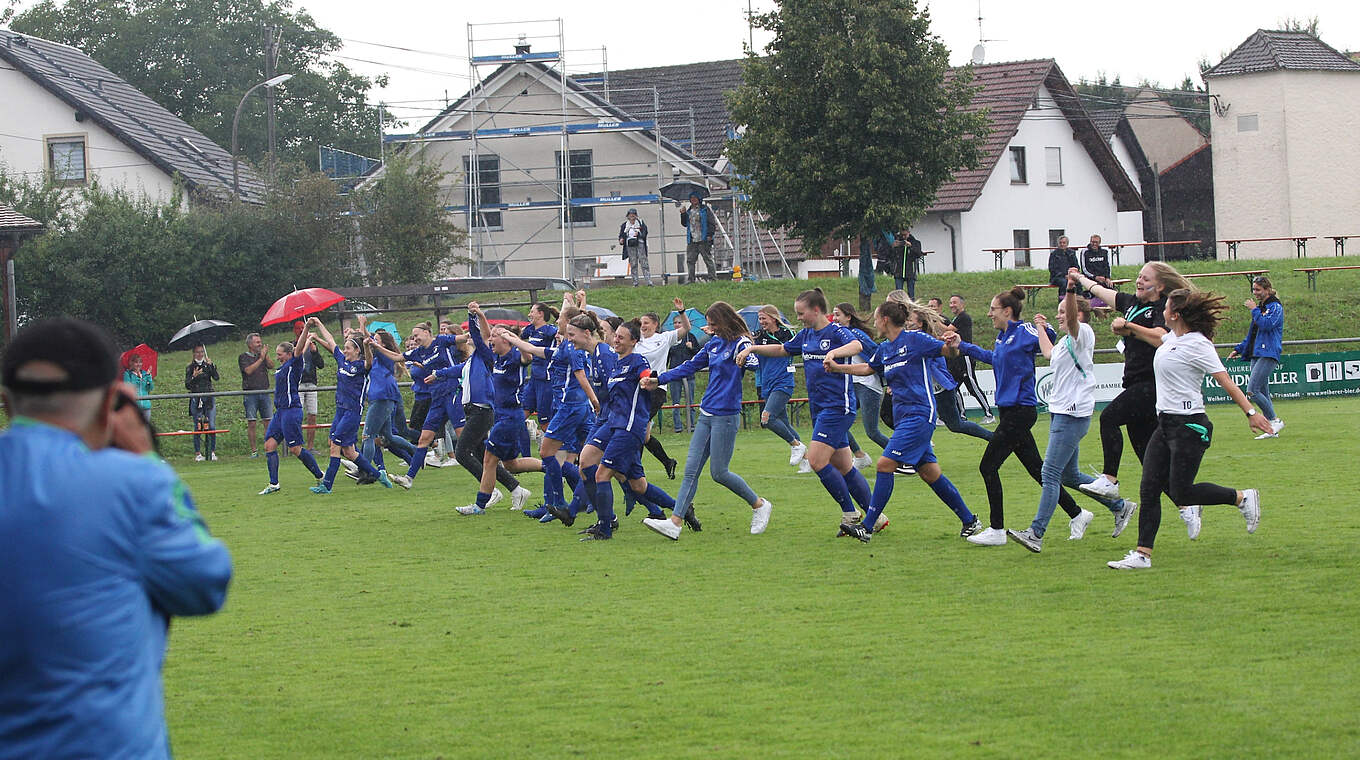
373 623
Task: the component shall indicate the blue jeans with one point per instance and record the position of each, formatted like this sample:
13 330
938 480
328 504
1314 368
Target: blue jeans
201 412
868 413
947 405
1258 385
713 441
1060 468
777 404
378 424
682 391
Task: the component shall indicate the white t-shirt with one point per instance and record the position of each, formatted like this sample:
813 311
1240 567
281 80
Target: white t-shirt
1074 377
1181 364
657 348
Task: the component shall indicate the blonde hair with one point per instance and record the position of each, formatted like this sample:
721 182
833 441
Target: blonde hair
932 324
1168 279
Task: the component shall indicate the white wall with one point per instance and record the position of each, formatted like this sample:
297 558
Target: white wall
1129 223
1251 168
30 114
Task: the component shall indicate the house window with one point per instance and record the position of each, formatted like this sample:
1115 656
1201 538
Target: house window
1053 165
581 184
1018 173
1019 240
1053 236
488 191
66 160
1248 122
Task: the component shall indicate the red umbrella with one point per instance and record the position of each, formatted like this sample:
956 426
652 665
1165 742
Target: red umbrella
148 355
299 304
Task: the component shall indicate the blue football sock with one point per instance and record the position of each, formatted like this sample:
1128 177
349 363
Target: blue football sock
366 466
552 482
271 458
572 474
332 468
604 507
309 461
417 462
654 495
482 499
834 483
952 499
883 488
578 502
589 485
858 488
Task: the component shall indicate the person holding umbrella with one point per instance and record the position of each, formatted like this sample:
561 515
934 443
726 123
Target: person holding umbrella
633 238
699 224
286 424
140 379
198 378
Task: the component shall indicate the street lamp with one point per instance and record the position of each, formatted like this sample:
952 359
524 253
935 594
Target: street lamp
236 120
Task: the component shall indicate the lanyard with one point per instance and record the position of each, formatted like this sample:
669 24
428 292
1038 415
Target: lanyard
1067 341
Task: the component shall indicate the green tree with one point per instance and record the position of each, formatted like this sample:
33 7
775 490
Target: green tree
197 58
406 234
852 119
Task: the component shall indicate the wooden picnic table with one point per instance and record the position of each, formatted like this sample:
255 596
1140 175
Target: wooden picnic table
1312 273
1339 243
1248 273
1300 243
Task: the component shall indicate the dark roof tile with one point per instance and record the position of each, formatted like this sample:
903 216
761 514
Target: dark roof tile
1267 50
13 220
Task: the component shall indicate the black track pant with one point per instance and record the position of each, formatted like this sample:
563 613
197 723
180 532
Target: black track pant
472 444
1136 407
653 443
967 379
1012 436
1171 464
419 409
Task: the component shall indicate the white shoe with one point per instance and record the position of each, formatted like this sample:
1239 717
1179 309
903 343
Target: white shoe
804 467
348 465
988 537
496 496
271 488
1251 508
1277 425
1134 560
1192 523
862 462
1101 488
1079 523
401 480
212 457
432 459
989 419
1121 520
470 509
519 497
1263 436
200 458
796 453
760 517
881 522
665 527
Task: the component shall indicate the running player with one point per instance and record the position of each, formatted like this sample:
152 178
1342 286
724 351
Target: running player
286 425
349 389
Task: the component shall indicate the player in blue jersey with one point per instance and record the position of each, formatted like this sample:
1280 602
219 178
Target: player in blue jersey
1012 360
541 331
831 397
715 433
286 425
384 398
502 441
350 373
776 380
432 354
868 390
904 358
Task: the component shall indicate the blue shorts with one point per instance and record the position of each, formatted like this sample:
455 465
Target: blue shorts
504 438
623 454
286 426
441 411
832 427
345 428
537 397
599 435
259 406
910 442
570 425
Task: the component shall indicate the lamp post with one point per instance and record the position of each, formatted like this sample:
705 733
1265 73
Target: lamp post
235 122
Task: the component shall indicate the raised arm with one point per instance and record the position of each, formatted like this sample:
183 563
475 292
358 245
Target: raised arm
681 318
524 346
323 336
852 348
395 356
1074 276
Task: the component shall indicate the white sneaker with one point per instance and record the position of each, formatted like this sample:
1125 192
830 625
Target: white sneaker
667 528
988 537
1101 488
804 467
1263 436
1251 508
271 488
496 496
1121 520
1078 525
401 480
989 419
200 458
1134 560
881 522
432 459
213 456
1192 523
348 465
470 509
519 497
796 453
760 517
862 462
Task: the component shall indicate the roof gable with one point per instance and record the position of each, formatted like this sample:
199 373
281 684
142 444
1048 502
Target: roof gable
1267 50
153 132
13 221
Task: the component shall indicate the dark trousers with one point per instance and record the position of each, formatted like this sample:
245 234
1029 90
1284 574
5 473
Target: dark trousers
1012 436
472 443
908 284
967 380
419 409
1135 407
1170 464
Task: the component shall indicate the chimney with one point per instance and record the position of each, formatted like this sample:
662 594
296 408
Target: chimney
522 47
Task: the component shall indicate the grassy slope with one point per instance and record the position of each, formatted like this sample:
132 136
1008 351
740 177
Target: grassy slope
378 623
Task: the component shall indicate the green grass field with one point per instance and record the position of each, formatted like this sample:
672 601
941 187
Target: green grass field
374 624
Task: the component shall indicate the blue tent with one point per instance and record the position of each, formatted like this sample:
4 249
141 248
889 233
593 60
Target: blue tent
749 314
696 321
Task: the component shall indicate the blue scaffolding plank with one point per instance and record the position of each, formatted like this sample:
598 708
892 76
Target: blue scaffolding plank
543 129
517 57
607 200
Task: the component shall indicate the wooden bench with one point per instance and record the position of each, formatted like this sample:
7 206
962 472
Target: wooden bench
1300 243
1114 247
1339 243
1312 273
1250 274
172 433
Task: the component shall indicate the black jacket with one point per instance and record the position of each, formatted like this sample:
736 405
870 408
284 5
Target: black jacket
1095 262
1059 261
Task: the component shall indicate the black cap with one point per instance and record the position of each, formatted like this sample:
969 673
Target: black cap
85 351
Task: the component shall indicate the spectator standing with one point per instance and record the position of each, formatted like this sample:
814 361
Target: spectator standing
699 224
255 376
962 367
1063 258
142 380
311 362
682 390
909 260
198 378
103 546
1262 347
633 239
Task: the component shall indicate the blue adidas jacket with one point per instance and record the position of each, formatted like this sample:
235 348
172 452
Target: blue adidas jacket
722 396
1266 335
1012 360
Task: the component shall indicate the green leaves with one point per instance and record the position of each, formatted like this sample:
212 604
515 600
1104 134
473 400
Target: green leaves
407 235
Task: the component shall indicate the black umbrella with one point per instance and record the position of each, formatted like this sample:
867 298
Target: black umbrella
681 191
203 331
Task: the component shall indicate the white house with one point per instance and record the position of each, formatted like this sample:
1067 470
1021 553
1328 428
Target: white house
1285 156
67 115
